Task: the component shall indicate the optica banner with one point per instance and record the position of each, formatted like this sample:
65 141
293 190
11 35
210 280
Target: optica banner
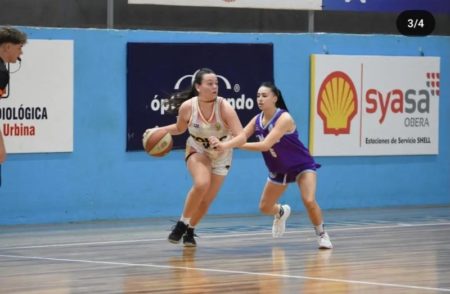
374 105
37 116
157 70
258 4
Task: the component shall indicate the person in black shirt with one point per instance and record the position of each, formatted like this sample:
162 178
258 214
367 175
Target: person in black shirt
11 43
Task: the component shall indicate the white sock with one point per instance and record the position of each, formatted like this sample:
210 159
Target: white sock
319 229
185 220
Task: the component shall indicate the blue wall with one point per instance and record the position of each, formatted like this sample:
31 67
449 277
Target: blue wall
99 180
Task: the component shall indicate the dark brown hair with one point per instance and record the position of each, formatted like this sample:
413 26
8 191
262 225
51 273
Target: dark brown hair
12 35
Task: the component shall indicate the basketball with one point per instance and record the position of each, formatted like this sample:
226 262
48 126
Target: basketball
157 142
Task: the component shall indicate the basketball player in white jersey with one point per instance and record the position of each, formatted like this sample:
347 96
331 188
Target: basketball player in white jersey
204 114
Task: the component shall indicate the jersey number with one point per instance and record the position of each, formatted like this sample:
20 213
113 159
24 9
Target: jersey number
271 151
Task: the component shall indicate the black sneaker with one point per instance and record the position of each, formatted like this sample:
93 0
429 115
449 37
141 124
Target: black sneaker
188 238
177 232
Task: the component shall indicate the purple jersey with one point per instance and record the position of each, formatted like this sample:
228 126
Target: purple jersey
289 153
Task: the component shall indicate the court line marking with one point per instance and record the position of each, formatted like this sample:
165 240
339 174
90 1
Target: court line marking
126 264
398 225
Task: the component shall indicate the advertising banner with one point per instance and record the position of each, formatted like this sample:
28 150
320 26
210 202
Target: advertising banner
37 115
374 105
157 70
437 6
259 4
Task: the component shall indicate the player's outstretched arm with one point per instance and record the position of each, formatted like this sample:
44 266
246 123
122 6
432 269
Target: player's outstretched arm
284 124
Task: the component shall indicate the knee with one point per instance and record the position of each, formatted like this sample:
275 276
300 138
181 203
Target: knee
201 186
310 203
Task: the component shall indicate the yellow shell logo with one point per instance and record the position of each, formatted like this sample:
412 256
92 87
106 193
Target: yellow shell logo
337 103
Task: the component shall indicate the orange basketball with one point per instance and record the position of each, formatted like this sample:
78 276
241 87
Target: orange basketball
157 142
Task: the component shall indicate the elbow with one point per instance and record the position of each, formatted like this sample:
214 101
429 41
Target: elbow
179 129
2 158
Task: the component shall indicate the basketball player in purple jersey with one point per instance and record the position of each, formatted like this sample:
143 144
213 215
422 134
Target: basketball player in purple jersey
287 159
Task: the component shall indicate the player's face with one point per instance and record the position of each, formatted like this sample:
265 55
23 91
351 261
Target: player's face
209 87
265 98
13 51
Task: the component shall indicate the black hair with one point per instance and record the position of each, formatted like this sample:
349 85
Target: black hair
178 98
12 35
280 102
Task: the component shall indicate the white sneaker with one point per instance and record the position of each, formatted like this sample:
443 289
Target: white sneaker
324 241
279 223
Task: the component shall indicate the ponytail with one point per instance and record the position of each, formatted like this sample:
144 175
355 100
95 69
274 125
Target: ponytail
280 101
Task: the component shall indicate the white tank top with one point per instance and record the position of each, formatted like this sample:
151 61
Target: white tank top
201 128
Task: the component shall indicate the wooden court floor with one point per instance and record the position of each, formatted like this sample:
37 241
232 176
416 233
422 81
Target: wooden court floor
396 250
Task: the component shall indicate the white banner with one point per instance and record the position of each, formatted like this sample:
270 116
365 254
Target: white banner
374 105
38 114
259 4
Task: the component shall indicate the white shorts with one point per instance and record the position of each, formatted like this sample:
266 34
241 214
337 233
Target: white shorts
220 162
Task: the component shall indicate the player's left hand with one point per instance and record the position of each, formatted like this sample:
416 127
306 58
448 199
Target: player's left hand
215 143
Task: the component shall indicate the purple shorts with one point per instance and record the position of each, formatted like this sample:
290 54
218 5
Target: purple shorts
292 176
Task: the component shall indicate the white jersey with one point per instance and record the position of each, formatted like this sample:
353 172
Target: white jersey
201 128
